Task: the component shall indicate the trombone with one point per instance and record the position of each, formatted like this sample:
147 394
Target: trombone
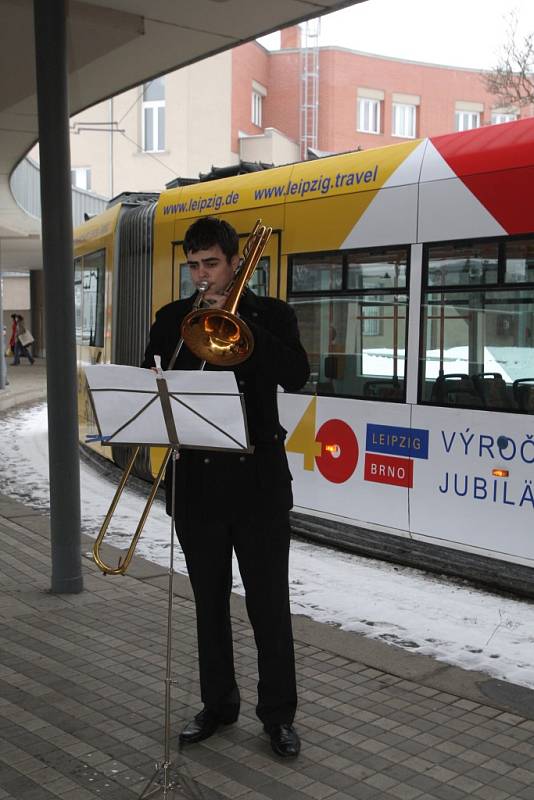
215 335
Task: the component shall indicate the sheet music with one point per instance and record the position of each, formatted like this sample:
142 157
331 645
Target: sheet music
206 406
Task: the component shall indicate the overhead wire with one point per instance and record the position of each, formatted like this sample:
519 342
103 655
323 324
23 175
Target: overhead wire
149 153
137 100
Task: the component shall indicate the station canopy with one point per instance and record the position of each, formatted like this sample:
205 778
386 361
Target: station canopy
113 46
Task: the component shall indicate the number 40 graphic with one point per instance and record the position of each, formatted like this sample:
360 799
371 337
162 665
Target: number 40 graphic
334 448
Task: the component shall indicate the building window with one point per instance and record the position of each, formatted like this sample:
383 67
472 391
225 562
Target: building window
154 116
404 120
258 93
467 120
498 117
257 102
368 115
371 317
81 177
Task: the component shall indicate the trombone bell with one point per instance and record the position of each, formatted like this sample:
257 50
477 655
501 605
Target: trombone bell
218 337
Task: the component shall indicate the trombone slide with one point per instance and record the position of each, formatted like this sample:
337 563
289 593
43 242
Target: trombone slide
124 563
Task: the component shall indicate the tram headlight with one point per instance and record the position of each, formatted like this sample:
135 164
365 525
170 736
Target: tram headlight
333 449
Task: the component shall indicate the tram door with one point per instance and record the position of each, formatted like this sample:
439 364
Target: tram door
349 442
477 391
265 280
90 295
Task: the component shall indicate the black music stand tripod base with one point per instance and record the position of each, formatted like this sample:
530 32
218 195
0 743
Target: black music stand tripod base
165 782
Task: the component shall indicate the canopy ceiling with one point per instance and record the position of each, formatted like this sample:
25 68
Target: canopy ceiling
114 45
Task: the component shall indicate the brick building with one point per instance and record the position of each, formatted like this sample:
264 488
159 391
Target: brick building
248 104
363 100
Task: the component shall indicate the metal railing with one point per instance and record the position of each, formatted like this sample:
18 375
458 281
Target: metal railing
25 186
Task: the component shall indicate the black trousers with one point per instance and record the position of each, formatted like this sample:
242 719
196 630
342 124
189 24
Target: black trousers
262 549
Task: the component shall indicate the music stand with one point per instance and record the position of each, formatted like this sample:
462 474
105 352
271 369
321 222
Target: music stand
177 409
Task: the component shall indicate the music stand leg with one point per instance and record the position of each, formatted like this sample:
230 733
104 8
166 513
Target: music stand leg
166 780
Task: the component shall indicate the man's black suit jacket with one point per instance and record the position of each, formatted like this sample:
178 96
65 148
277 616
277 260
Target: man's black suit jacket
224 486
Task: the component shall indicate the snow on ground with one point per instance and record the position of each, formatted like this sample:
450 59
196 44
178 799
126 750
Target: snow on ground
452 622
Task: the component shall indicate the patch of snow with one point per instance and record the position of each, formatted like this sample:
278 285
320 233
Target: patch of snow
423 613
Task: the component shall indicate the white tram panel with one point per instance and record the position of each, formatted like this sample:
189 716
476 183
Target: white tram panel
337 434
447 208
458 500
396 203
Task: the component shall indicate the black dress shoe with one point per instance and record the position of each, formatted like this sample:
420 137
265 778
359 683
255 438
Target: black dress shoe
285 740
202 727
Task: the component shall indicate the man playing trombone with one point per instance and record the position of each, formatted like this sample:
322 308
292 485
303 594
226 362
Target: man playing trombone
227 501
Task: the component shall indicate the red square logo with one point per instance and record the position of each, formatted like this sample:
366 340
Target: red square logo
388 469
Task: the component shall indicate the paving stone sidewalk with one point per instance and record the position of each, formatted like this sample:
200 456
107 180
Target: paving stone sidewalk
82 690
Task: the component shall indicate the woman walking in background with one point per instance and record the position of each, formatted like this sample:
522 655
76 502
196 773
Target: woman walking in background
21 339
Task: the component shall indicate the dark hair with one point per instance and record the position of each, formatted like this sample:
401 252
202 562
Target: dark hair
209 231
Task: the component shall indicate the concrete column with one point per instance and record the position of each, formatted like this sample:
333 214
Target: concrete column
37 312
3 340
50 18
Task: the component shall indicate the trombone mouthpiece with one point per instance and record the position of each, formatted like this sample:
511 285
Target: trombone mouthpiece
203 286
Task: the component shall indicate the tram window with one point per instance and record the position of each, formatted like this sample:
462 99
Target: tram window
259 283
479 350
463 264
93 289
187 287
376 270
353 320
356 345
519 261
317 272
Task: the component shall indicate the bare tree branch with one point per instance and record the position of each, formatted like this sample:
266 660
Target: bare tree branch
512 80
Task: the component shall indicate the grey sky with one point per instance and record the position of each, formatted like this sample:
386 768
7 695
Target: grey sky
463 33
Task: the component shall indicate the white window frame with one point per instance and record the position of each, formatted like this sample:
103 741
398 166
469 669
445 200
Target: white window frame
500 117
464 120
257 108
81 178
369 112
404 120
152 108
